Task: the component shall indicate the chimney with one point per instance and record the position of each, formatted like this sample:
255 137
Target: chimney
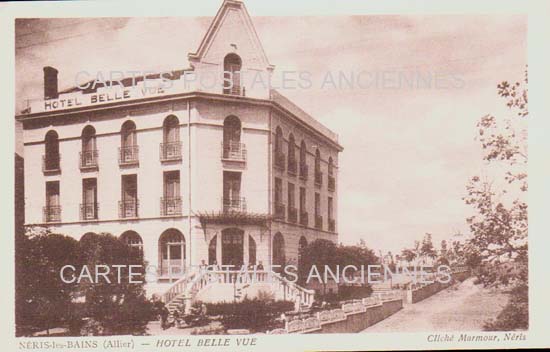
50 83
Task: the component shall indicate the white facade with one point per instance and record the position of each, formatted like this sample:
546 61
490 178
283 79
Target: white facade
200 216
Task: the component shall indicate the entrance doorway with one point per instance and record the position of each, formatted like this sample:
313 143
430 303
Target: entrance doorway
172 253
233 247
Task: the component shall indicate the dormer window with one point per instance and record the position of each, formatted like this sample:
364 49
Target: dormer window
232 75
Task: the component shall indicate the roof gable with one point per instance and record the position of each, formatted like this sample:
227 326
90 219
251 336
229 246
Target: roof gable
231 30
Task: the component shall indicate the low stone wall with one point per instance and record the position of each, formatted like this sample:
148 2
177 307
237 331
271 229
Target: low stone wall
418 294
352 317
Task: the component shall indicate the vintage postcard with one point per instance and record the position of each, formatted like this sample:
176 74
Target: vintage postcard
237 175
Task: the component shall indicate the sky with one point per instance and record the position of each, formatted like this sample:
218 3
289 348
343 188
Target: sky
409 150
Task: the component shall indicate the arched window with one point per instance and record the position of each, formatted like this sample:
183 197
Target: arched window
231 69
232 146
251 251
233 247
51 157
170 149
128 143
303 160
132 239
172 252
318 174
88 156
278 250
291 154
279 155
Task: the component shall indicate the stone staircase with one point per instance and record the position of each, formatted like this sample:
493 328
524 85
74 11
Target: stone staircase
184 292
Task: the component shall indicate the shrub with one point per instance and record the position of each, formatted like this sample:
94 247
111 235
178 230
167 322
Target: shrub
515 315
253 314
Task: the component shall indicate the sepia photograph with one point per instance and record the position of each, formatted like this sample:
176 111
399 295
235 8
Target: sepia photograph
247 174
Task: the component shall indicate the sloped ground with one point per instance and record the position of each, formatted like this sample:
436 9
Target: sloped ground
463 307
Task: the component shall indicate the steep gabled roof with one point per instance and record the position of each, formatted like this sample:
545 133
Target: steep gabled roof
215 25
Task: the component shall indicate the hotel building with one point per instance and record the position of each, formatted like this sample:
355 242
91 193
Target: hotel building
226 174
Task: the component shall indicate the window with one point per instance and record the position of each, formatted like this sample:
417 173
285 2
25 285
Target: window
278 251
302 199
132 239
279 155
232 148
231 71
170 149
292 165
171 201
51 160
128 145
278 198
129 203
52 210
318 216
292 212
303 161
232 200
331 179
331 222
88 155
318 174
89 206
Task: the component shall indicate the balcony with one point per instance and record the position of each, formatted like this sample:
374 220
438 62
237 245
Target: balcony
331 183
318 222
279 211
280 160
51 163
234 151
292 214
128 209
52 213
88 160
292 167
303 171
170 206
234 204
170 151
331 225
318 178
304 218
89 211
128 155
234 90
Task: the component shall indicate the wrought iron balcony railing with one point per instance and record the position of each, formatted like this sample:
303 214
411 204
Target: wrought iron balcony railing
128 155
234 90
234 151
170 206
304 218
51 163
280 160
318 222
170 151
88 159
128 208
303 171
279 211
234 204
52 213
292 214
292 167
318 178
331 225
89 211
331 183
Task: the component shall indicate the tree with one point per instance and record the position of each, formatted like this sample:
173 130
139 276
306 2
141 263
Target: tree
42 299
500 223
120 307
427 249
409 255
